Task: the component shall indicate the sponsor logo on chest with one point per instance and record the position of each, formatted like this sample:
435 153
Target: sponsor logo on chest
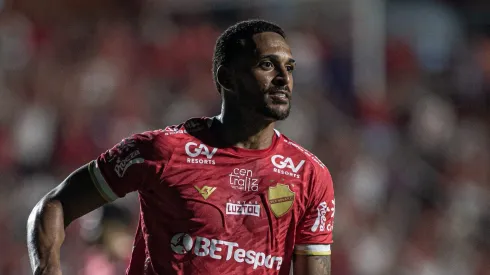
286 166
200 153
205 191
244 208
216 249
242 179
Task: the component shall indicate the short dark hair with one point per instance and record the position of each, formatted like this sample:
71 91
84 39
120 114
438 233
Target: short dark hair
230 42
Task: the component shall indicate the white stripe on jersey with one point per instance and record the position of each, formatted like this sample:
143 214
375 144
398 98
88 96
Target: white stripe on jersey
101 183
312 249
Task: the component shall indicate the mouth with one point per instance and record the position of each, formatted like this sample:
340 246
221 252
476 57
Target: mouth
283 93
279 96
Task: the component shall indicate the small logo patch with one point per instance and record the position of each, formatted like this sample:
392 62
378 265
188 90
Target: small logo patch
181 243
206 191
123 165
242 179
281 199
245 209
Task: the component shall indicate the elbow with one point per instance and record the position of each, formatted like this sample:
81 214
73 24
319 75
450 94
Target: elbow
35 217
45 234
47 209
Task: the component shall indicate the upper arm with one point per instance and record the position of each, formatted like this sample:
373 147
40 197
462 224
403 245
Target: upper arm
77 195
311 265
116 172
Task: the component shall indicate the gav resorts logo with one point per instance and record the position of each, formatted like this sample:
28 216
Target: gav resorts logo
194 151
285 166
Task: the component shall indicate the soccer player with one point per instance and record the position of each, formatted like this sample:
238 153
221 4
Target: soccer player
221 195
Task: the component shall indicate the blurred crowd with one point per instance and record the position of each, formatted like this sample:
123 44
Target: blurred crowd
411 168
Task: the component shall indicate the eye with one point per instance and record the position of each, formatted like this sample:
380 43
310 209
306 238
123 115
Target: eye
266 65
290 68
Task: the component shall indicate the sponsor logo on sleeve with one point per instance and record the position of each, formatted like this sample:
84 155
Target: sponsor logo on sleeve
200 153
281 199
124 164
286 166
222 250
243 208
242 179
321 219
125 154
125 146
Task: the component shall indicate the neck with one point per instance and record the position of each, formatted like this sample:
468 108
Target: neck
245 131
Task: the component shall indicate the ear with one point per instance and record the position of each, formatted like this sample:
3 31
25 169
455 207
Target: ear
224 76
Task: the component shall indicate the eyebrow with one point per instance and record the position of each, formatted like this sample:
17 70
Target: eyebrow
275 57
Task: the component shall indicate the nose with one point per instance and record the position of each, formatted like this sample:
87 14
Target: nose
283 77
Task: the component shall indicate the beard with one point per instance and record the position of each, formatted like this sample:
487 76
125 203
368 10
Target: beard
261 104
275 111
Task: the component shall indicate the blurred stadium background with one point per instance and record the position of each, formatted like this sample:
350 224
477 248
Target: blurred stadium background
393 96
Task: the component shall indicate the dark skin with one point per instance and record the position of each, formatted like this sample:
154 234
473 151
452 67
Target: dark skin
73 198
249 109
256 92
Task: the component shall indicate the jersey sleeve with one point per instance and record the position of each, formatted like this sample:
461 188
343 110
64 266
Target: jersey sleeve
314 232
125 168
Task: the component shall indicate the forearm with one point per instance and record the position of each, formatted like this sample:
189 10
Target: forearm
311 265
45 235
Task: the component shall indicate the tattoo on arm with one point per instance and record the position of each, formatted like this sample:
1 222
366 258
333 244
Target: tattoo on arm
322 265
311 265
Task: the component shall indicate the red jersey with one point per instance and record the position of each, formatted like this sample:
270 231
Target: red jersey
207 209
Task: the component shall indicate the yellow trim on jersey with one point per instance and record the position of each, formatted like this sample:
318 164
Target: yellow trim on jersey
312 249
100 183
313 253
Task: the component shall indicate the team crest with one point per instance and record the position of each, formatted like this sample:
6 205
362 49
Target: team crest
281 199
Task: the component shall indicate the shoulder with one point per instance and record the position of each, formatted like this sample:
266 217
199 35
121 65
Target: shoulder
185 129
293 148
296 155
161 141
314 174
